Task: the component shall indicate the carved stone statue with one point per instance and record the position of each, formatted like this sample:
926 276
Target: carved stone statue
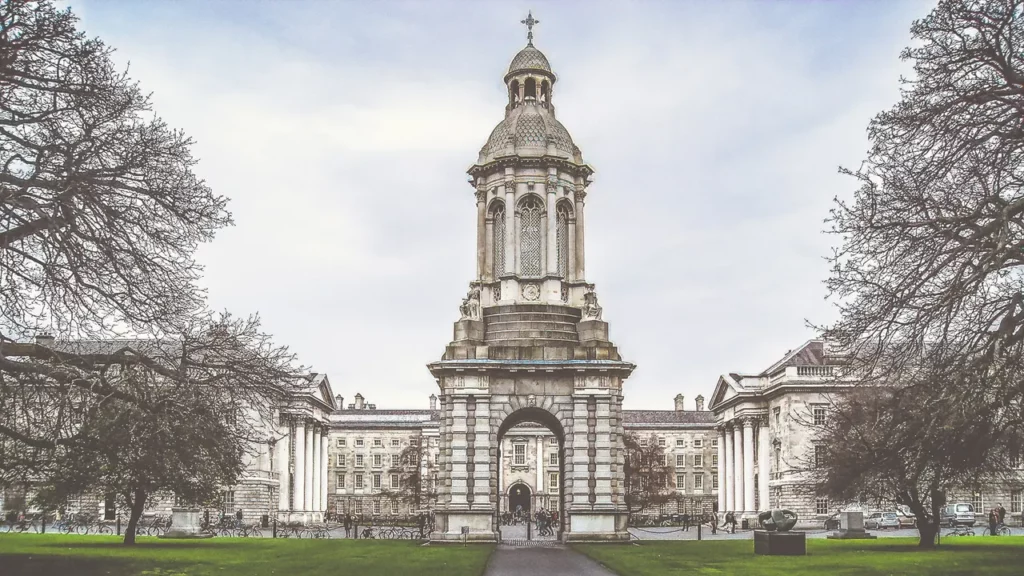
777 520
470 307
591 309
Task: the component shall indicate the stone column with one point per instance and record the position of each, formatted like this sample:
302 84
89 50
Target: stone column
307 494
571 268
763 464
481 233
298 493
730 470
552 232
581 194
738 473
314 471
482 454
458 454
510 230
748 465
580 454
324 443
283 457
603 454
489 249
721 470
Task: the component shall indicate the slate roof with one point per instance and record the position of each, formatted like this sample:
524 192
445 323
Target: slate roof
636 417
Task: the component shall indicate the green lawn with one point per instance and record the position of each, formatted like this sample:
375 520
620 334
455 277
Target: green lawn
48 554
888 556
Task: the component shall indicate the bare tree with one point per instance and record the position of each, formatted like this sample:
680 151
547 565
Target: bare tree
929 277
415 487
649 479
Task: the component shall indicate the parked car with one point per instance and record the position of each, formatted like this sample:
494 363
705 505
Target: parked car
960 514
906 518
880 520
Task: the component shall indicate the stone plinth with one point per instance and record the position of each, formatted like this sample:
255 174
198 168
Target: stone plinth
471 330
185 523
592 331
851 527
780 543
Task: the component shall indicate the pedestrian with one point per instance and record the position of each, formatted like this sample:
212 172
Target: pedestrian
714 523
993 520
238 515
686 522
348 525
1002 513
732 522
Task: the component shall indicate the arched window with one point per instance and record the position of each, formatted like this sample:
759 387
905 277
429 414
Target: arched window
563 213
531 88
530 231
544 92
498 240
514 92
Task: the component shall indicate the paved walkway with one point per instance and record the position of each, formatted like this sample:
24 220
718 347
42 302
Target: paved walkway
506 561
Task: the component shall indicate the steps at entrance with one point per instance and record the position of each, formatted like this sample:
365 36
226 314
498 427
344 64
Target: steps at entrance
531 325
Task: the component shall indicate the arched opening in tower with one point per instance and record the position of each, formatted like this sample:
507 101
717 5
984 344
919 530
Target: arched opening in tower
531 475
531 88
544 92
513 92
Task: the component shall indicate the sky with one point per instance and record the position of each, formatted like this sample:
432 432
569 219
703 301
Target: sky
341 132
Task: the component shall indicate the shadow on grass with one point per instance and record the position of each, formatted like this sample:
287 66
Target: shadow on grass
30 565
149 545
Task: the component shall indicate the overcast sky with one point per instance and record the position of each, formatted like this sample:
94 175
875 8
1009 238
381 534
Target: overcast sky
342 131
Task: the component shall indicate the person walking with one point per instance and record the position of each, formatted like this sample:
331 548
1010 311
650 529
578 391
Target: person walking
1002 513
993 521
348 525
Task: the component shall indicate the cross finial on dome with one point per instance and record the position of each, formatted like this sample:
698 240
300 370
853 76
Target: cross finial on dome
529 21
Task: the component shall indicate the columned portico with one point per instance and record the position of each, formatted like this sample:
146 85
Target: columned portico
729 488
722 463
299 490
738 474
748 466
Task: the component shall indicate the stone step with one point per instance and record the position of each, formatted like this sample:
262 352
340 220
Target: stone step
532 317
528 325
547 334
533 308
538 342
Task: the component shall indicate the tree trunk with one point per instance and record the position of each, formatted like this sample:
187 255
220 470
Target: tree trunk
927 523
138 505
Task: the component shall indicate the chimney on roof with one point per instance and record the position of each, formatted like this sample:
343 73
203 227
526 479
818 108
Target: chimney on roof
433 401
359 401
700 403
340 401
371 406
44 339
679 403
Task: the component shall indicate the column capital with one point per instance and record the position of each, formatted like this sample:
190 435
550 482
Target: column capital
581 194
749 421
481 195
510 187
551 184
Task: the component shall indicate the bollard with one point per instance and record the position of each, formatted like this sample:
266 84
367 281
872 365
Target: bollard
699 525
274 534
118 524
44 524
529 526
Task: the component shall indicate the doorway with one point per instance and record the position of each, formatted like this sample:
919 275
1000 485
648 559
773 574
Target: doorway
519 498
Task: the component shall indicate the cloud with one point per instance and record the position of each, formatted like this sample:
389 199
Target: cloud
342 132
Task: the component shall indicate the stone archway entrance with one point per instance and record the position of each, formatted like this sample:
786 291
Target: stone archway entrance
520 499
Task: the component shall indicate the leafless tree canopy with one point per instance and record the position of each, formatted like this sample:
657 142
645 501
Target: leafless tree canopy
649 481
100 211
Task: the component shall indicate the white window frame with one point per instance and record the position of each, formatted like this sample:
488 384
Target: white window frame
553 482
359 443
395 442
340 478
377 480
680 460
396 460
681 483
698 460
698 442
359 460
360 484
378 442
395 481
553 459
376 507
341 442
378 460
519 454
698 483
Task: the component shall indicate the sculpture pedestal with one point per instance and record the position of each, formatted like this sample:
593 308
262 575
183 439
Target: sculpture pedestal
185 524
851 527
780 543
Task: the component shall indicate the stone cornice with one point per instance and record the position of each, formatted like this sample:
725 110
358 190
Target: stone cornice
566 165
485 365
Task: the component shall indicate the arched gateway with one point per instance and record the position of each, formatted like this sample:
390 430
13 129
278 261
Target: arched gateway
531 345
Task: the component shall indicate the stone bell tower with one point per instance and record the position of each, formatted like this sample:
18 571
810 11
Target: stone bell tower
531 344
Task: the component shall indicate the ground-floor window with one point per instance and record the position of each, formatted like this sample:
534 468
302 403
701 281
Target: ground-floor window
359 507
821 506
229 499
1015 501
376 506
681 482
978 502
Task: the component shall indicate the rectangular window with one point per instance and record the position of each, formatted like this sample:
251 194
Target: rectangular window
395 460
359 507
1015 501
359 442
359 460
714 482
698 483
395 442
376 506
229 499
341 480
680 460
437 458
394 480
359 481
821 506
661 441
341 442
376 481
819 415
680 443
714 442
553 482
698 460
698 442
553 459
714 460
553 441
820 456
979 502
519 454
777 412
681 482
377 442
643 441
341 460
378 460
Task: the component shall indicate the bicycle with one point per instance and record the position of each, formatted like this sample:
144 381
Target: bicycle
959 530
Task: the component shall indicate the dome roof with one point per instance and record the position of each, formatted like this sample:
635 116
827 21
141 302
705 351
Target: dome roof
526 131
529 58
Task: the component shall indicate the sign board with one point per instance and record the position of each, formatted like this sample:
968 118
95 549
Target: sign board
465 529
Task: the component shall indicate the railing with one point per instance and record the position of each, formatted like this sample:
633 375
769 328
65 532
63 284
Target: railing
265 474
820 371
